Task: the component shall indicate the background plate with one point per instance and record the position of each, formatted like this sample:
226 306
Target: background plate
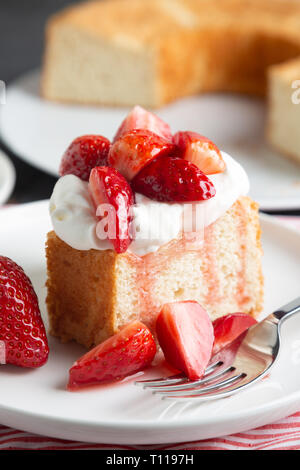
39 131
7 177
37 400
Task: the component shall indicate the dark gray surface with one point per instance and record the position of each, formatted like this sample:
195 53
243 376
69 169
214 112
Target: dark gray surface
21 46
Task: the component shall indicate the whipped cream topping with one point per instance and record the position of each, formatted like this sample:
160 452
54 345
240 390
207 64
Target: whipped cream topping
154 223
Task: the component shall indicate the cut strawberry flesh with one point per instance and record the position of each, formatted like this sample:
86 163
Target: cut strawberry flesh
139 118
185 334
108 186
229 327
169 179
134 150
201 151
125 353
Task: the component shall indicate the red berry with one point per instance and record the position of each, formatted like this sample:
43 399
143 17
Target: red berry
185 334
108 186
173 180
139 118
229 327
201 151
21 325
125 353
83 154
131 152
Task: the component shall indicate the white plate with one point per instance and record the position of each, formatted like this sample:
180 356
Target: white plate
39 131
7 177
37 401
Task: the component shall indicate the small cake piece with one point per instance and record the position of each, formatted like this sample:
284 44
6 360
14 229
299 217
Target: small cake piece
91 294
283 127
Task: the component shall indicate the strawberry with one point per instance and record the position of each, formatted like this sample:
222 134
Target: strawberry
139 118
229 327
173 180
131 152
83 154
125 353
186 336
21 327
108 186
201 151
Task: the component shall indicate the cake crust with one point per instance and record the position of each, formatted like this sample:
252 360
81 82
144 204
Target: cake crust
92 294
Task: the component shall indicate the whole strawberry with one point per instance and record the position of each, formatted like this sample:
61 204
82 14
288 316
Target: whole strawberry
21 327
83 154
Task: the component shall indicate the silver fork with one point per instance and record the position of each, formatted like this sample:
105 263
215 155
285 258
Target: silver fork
246 361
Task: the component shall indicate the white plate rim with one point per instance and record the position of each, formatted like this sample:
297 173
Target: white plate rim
9 415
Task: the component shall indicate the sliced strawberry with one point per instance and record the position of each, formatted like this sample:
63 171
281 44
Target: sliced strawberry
139 118
174 180
83 154
108 187
229 327
201 151
131 152
127 352
185 334
23 340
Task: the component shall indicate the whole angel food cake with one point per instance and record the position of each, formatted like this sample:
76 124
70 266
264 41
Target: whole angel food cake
148 219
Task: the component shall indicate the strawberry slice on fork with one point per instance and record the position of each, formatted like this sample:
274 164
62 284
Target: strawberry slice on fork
201 151
173 179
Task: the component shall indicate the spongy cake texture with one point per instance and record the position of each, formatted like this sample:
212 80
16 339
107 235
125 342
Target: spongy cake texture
91 294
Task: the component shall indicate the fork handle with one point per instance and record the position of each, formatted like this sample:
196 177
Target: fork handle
287 310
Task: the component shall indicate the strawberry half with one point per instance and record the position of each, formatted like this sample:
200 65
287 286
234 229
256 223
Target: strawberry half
185 334
83 154
139 118
108 186
229 327
201 151
131 152
127 352
169 179
21 326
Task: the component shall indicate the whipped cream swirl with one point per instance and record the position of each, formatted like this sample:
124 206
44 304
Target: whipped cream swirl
155 223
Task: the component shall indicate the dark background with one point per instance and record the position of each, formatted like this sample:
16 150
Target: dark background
22 25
